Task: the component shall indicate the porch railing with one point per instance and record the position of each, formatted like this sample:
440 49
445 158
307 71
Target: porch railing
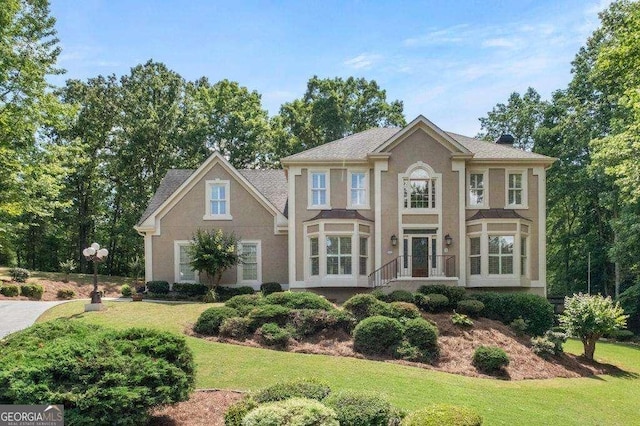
407 266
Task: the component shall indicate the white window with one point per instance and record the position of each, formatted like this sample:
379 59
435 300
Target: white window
516 186
217 200
358 194
477 189
183 271
249 269
523 256
474 256
364 255
319 189
501 255
338 255
314 256
419 190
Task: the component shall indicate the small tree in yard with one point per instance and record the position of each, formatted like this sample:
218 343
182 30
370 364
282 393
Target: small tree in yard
214 252
590 317
67 267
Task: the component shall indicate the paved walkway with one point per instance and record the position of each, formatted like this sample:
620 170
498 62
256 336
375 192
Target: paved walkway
17 315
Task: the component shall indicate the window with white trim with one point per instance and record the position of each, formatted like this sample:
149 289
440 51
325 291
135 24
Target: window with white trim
318 189
477 189
184 273
364 255
516 188
338 255
314 256
358 190
217 200
419 190
501 255
523 256
475 259
249 269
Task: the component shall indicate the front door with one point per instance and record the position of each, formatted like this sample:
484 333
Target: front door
419 256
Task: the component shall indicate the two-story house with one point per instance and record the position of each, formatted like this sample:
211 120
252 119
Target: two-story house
387 207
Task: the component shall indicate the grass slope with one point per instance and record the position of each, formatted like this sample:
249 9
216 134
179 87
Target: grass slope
587 401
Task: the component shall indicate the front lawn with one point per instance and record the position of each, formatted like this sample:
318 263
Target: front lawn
587 401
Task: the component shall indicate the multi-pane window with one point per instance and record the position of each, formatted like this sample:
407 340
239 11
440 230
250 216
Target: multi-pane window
358 189
420 191
249 262
476 189
523 256
501 254
186 272
364 255
338 255
218 199
314 256
514 189
318 188
474 255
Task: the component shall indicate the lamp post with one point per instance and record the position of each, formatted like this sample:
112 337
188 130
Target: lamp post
96 255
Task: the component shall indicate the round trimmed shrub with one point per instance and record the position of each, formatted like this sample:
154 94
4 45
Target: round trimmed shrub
272 334
10 290
32 291
434 303
365 305
454 294
622 335
245 303
361 409
299 300
490 358
470 307
66 294
299 388
268 288
505 307
125 290
291 412
209 321
236 412
19 275
308 322
422 334
377 335
158 287
403 310
400 296
81 366
443 415
235 327
268 313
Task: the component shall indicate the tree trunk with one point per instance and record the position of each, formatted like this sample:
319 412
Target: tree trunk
590 346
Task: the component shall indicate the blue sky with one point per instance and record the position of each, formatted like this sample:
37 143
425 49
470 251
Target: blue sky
451 61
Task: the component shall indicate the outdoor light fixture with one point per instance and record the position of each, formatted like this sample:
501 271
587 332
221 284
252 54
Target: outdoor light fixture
394 240
96 255
448 240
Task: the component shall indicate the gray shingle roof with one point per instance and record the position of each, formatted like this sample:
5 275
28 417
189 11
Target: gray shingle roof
270 183
496 214
359 145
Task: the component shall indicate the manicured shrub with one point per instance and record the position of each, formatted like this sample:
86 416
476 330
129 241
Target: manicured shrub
190 289
84 366
434 303
379 294
307 322
226 293
401 310
299 300
245 302
272 334
470 307
542 346
209 321
454 294
506 307
298 388
32 291
158 287
490 359
443 415
407 351
519 326
10 290
377 335
268 288
362 409
235 327
422 334
291 412
622 335
236 412
66 294
365 305
125 290
461 320
19 275
400 296
264 314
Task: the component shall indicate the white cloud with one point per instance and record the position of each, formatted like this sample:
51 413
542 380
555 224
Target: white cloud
499 42
362 61
451 35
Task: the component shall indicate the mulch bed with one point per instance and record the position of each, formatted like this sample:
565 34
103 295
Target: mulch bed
204 408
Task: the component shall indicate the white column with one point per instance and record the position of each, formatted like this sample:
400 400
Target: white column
459 166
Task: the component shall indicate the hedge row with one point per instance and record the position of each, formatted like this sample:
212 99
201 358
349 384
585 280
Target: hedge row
506 307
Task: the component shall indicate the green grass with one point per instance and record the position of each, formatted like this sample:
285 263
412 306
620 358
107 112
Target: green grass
587 401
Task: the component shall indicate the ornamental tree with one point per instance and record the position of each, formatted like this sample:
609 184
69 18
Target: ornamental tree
213 251
589 317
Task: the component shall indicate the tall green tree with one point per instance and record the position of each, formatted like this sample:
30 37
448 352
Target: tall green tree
331 109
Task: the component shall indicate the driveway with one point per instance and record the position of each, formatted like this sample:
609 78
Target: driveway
17 315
